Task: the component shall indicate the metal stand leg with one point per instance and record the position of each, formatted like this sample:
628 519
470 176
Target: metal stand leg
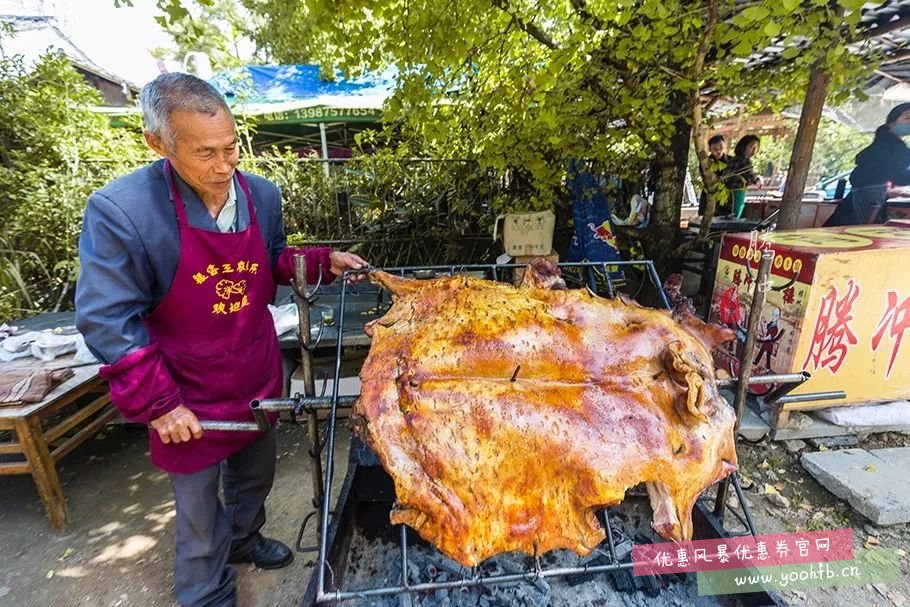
742 387
305 297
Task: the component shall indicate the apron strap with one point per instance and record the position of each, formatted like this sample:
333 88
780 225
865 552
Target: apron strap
179 205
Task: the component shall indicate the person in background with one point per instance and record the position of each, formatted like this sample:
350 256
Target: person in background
886 161
179 261
719 159
740 174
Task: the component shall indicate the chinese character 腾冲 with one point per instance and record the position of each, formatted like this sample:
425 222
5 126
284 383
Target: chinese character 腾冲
897 320
832 335
803 547
701 555
782 548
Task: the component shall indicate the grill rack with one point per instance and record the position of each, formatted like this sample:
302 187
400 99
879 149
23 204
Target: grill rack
474 579
309 405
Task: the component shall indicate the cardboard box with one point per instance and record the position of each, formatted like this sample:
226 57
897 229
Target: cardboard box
838 308
526 233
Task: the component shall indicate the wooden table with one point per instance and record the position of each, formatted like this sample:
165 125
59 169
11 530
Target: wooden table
41 433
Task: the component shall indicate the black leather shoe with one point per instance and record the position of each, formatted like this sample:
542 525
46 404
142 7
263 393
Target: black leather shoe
268 554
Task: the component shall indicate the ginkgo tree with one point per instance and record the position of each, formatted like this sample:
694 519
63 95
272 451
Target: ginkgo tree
527 86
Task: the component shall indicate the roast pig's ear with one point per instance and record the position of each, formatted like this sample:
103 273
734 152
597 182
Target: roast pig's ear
710 334
542 273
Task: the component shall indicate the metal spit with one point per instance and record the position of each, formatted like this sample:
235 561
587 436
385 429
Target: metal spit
310 404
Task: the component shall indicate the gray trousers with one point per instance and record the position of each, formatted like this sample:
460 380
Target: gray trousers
208 531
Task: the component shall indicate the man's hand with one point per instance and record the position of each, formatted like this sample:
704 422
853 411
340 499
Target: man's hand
178 426
341 261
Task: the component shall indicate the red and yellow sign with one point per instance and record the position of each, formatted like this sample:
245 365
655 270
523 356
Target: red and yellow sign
839 307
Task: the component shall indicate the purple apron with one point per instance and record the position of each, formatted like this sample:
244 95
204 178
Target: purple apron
216 335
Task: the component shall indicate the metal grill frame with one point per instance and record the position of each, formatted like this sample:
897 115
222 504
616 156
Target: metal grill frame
592 269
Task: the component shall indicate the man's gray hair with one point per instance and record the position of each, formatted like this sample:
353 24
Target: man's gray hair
177 91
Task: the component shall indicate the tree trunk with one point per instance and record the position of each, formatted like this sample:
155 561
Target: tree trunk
802 148
663 229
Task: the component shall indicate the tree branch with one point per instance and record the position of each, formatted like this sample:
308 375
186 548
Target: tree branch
581 7
526 26
735 10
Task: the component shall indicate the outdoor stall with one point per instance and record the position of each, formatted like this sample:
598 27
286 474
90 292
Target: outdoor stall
837 307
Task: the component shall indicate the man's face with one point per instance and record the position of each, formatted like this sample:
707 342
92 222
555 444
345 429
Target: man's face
718 149
204 153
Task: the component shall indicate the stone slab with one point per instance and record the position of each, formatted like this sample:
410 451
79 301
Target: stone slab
753 427
820 428
876 483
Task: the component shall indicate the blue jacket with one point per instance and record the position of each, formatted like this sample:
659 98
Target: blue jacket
130 245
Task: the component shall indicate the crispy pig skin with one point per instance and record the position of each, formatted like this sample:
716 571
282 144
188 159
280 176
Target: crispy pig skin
506 417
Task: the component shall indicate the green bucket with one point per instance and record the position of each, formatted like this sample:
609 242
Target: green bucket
739 202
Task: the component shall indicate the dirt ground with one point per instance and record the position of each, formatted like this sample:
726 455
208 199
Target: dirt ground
769 467
119 550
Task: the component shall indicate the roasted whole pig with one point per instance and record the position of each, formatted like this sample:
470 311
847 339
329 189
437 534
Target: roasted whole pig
507 416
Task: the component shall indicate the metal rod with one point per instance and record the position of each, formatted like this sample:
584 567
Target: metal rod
304 299
307 369
262 420
230 426
330 446
499 266
745 367
324 597
652 272
404 557
782 390
758 304
611 289
758 380
811 397
611 544
592 279
742 502
302 403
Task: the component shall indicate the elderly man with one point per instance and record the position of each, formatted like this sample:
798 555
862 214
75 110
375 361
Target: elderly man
179 260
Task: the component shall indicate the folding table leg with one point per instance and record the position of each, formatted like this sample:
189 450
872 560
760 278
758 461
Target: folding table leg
44 471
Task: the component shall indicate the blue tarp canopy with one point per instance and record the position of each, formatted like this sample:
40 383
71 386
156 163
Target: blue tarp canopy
295 94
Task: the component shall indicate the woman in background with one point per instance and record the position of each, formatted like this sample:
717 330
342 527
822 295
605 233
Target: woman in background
740 174
886 161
